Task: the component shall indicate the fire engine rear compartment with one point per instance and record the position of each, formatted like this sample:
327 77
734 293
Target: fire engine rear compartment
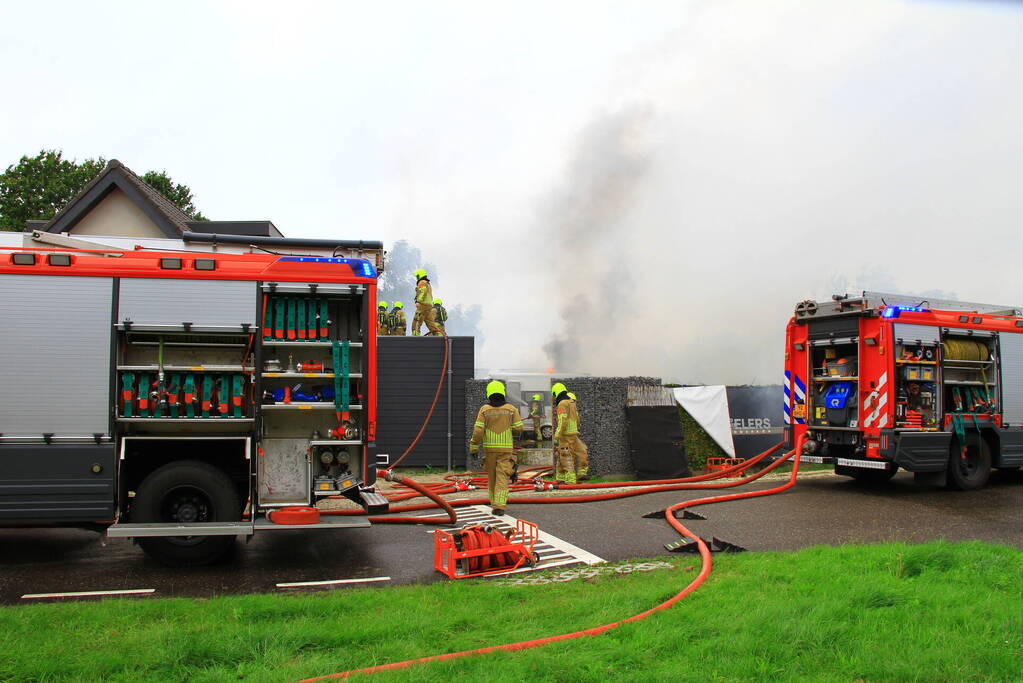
887 392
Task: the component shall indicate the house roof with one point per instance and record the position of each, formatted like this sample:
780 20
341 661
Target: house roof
171 220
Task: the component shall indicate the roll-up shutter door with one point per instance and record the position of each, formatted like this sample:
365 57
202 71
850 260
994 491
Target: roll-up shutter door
55 360
1011 345
912 334
203 303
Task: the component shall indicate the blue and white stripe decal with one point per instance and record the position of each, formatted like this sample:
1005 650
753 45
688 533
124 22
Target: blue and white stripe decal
787 408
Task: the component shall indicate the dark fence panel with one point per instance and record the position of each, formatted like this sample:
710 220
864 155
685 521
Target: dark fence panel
408 369
756 413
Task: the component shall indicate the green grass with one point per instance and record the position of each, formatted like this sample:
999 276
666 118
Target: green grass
934 612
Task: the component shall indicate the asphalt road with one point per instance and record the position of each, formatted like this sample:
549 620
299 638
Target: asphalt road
821 509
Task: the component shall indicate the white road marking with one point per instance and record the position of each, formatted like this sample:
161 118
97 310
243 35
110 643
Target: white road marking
88 594
332 582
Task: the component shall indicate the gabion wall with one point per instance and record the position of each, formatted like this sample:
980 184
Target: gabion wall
601 402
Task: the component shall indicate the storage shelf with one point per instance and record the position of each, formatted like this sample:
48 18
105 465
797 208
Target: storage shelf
299 375
916 362
354 345
175 420
968 383
334 442
836 378
185 368
312 405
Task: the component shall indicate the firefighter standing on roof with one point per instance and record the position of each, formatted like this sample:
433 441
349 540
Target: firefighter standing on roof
383 320
442 314
496 425
425 312
397 320
536 415
566 437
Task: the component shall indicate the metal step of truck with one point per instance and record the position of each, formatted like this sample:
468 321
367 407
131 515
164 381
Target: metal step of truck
374 503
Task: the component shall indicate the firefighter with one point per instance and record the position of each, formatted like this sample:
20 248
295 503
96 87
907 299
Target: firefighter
582 453
496 425
425 312
536 415
383 320
442 314
566 434
397 327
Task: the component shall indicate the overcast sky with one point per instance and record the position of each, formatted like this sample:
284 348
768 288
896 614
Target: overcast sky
638 188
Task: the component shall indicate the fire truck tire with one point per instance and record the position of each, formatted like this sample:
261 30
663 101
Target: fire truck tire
186 491
868 477
971 470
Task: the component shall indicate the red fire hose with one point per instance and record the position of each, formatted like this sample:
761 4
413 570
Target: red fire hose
669 515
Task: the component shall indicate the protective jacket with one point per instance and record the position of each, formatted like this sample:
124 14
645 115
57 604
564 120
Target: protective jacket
568 419
496 427
536 409
383 322
398 325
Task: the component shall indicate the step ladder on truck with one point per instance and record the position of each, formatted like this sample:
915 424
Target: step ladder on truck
179 397
880 382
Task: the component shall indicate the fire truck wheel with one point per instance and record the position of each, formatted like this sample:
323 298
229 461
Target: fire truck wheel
186 491
969 470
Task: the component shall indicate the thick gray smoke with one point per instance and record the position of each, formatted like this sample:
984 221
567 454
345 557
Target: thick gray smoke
584 222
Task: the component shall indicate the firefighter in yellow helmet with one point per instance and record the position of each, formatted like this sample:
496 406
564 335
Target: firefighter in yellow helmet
496 426
536 415
397 328
442 314
566 434
425 312
582 454
383 320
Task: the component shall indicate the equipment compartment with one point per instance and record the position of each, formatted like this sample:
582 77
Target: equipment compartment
835 378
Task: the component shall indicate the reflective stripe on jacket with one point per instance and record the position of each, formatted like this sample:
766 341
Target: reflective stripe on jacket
568 419
495 427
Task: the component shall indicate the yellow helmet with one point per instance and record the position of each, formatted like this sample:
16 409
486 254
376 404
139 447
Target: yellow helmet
438 302
537 397
495 387
420 273
557 389
398 304
571 395
382 304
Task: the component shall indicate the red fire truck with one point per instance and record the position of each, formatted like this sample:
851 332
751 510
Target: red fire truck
180 397
881 381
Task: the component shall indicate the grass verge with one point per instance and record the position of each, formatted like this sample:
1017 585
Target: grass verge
930 612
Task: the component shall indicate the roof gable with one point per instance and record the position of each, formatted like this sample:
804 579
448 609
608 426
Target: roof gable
171 220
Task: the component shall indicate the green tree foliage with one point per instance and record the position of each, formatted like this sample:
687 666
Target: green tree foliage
180 194
36 188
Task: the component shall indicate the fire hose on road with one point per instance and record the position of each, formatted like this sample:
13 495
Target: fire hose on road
703 482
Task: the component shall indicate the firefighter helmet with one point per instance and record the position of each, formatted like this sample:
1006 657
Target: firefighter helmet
420 273
537 397
398 304
438 302
382 304
495 387
558 389
571 395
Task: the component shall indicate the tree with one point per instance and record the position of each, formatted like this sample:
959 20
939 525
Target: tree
36 188
180 194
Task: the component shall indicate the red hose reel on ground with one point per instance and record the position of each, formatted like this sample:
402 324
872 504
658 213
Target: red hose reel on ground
484 550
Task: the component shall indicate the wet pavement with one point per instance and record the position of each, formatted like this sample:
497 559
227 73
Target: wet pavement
821 509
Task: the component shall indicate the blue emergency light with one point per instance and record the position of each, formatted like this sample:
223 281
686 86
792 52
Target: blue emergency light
359 266
895 311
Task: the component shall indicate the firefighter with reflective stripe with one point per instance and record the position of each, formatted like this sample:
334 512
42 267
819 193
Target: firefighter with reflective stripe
383 320
425 312
442 314
536 415
397 326
566 435
496 425
581 454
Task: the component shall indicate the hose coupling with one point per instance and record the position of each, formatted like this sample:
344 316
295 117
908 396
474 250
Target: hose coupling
541 485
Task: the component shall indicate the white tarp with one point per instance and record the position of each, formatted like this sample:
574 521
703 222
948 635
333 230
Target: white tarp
709 407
